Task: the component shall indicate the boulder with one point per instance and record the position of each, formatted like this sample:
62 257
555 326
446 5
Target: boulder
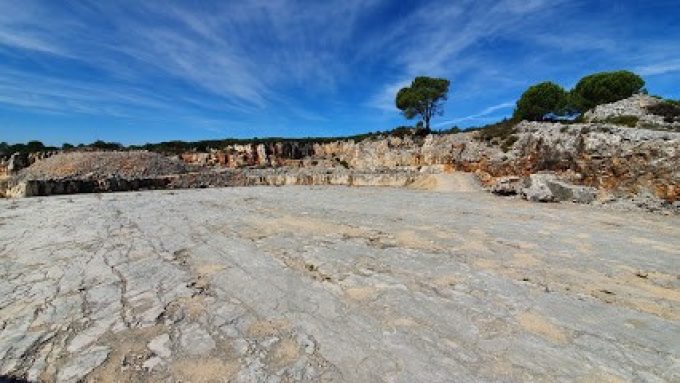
536 188
563 191
546 187
509 185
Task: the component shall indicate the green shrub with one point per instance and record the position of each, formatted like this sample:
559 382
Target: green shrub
99 144
498 131
668 109
603 88
508 142
629 121
540 99
501 133
451 130
29 147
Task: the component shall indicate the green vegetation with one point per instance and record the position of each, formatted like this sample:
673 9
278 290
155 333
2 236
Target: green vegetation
176 147
103 145
423 98
540 99
629 121
668 109
29 147
501 133
590 91
603 88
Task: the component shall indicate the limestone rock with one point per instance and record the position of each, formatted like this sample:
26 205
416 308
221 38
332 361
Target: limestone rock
563 191
508 185
632 106
196 340
333 284
537 189
616 160
83 364
546 187
160 346
17 162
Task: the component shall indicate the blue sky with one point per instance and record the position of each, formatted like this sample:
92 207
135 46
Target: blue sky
146 71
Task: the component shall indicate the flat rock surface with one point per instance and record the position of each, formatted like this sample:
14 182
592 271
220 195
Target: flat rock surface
335 284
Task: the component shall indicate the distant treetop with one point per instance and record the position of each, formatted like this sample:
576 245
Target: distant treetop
591 91
604 88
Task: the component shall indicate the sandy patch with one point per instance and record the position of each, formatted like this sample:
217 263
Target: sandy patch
268 328
401 322
413 240
601 377
193 307
656 245
446 280
306 225
361 293
128 352
208 269
524 259
454 182
487 264
204 370
284 353
540 325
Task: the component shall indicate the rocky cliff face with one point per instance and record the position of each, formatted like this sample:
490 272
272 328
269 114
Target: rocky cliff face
618 161
14 163
388 152
614 159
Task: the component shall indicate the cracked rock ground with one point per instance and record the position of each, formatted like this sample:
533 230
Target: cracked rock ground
334 284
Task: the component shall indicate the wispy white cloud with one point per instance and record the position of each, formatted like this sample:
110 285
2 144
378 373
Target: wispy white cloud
659 68
245 52
483 115
385 99
438 43
281 61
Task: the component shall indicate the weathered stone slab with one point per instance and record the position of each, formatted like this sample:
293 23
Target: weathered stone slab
313 283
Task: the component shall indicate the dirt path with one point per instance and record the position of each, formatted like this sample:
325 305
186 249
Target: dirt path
448 182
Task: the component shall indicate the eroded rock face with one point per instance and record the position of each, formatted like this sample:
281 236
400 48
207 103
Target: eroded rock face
229 178
633 106
14 163
615 159
618 161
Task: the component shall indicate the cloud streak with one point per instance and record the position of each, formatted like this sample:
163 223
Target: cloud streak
272 63
480 116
